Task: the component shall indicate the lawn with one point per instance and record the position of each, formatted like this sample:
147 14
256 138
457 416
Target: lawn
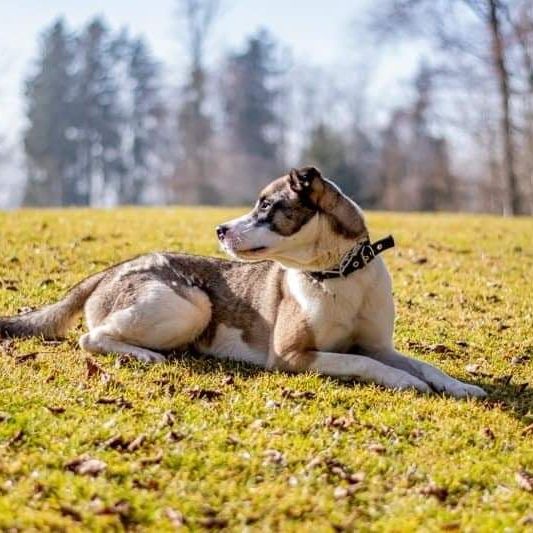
96 442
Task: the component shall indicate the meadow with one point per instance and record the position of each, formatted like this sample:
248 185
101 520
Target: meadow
103 443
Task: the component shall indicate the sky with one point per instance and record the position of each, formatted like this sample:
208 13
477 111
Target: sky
318 32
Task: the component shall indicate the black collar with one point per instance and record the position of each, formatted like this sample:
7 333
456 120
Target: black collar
355 259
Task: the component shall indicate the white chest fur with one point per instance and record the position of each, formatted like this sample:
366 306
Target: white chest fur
335 309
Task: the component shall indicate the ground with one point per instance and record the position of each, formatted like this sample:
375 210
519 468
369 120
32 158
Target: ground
102 443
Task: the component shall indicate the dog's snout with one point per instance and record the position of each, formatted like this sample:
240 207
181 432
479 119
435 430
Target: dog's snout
221 231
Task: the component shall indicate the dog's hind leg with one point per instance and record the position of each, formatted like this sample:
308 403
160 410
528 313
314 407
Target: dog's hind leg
158 318
98 341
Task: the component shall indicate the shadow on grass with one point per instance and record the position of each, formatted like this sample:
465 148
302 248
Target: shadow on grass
513 398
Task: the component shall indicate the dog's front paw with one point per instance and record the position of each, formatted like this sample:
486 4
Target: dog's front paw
458 389
405 381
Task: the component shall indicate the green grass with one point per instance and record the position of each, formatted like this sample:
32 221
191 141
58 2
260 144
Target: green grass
463 287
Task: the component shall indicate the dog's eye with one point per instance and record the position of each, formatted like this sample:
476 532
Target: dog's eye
265 204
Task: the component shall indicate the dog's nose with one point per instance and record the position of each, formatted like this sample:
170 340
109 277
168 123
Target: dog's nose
221 231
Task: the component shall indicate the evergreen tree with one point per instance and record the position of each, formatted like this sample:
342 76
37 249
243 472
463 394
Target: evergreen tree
328 150
251 95
48 141
100 161
144 122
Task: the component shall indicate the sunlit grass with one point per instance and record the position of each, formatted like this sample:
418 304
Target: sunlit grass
257 456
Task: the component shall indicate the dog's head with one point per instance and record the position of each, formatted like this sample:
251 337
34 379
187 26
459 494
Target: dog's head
301 220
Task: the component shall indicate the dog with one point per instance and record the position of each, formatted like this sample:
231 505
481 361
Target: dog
307 292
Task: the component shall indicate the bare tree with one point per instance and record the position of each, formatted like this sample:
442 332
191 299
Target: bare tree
470 36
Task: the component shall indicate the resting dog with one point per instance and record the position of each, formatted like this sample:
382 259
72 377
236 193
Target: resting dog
309 293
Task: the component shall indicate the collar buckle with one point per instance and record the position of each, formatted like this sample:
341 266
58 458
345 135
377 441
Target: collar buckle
367 253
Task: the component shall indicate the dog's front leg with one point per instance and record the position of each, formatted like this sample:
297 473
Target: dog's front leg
357 366
438 380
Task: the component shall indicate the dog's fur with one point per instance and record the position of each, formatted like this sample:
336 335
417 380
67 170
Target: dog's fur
264 309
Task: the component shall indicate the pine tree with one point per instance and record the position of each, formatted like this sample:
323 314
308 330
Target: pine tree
144 121
48 141
251 95
100 119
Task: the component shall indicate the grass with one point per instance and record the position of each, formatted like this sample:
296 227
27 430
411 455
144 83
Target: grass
260 454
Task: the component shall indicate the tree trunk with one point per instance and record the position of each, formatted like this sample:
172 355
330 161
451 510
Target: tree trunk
513 200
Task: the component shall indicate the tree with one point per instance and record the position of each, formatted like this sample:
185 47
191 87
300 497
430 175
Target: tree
414 161
100 163
47 141
469 36
195 125
252 89
144 117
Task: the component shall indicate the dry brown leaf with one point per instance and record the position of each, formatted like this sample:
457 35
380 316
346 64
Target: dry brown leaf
84 465
94 369
488 433
175 517
376 448
441 493
136 443
56 410
298 395
70 512
213 522
273 457
340 422
121 508
204 394
16 438
26 357
528 430
524 480
156 459
229 379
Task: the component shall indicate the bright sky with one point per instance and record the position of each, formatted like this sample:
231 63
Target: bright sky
317 32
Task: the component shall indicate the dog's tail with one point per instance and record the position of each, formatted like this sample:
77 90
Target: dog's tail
51 321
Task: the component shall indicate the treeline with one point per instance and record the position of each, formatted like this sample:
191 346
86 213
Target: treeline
106 127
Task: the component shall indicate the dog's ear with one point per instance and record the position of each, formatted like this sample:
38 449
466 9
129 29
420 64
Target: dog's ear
304 179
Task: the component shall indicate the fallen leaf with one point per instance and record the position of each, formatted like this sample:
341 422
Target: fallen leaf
93 368
377 448
272 404
273 457
119 402
213 522
518 360
176 518
26 357
135 444
121 508
67 510
176 436
16 438
146 484
475 370
156 459
503 380
488 433
340 422
420 260
204 394
116 442
524 480
298 395
229 379
56 410
86 465
441 493
528 430
168 419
